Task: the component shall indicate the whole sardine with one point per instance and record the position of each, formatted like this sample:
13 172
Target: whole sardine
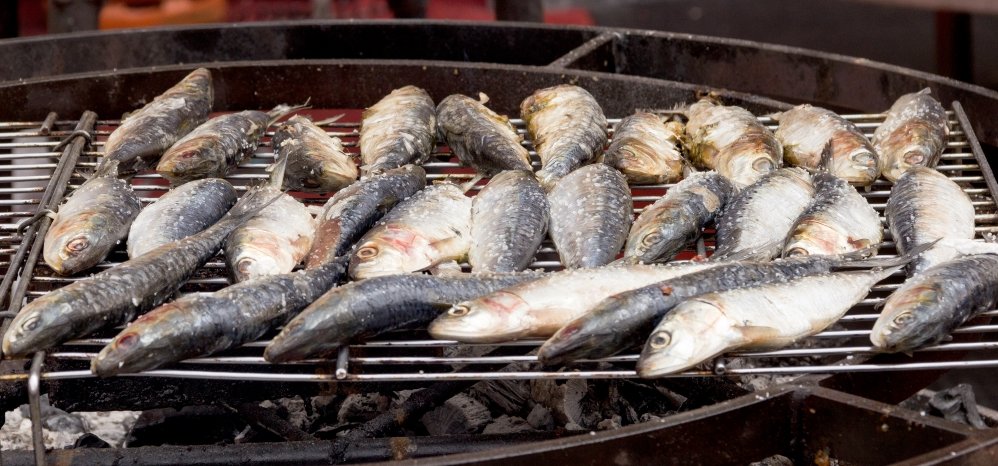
205 323
806 130
766 316
315 160
838 221
540 307
677 219
925 206
759 218
928 306
180 213
370 307
480 137
646 150
590 215
351 211
431 227
913 134
398 130
115 295
732 141
273 242
148 132
567 127
509 218
218 145
93 219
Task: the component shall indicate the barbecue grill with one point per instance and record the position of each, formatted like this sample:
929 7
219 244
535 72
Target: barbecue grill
58 117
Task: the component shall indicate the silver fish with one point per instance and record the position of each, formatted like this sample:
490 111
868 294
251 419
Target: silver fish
677 219
759 218
839 220
913 134
180 213
431 227
567 127
93 219
398 130
925 206
115 295
480 137
767 316
509 219
316 160
590 215
273 242
732 141
646 150
806 130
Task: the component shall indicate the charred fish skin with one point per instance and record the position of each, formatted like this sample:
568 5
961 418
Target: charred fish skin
273 242
93 219
398 130
206 323
480 137
353 210
677 219
925 206
370 307
148 132
929 306
731 141
646 150
839 221
591 212
913 134
767 316
509 219
567 127
759 218
115 295
316 160
181 212
806 130
429 228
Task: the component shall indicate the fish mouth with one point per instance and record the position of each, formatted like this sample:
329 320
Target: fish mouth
656 365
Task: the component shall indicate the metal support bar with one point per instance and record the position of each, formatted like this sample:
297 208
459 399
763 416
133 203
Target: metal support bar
35 407
574 55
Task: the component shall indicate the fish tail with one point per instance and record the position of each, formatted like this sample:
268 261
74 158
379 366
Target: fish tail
859 259
277 170
329 120
255 200
284 110
107 168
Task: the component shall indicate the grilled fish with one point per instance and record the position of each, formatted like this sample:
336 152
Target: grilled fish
94 218
115 295
480 137
757 221
646 150
925 206
398 130
568 129
539 308
766 316
148 132
806 130
732 141
351 211
927 307
273 242
218 145
509 219
431 227
315 161
590 215
180 213
838 221
676 220
913 134
370 307
205 323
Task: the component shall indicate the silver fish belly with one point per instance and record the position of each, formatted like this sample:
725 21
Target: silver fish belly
273 242
181 212
840 220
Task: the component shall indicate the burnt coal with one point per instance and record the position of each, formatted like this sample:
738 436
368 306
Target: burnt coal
193 425
89 440
461 414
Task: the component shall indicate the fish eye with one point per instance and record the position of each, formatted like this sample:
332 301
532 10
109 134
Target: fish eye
763 165
458 311
903 318
367 252
798 251
650 239
77 244
914 157
863 158
127 340
30 324
660 339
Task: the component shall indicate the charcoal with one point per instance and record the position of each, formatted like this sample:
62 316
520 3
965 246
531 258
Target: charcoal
540 418
775 460
609 424
362 407
64 422
958 404
461 414
507 425
583 402
89 440
505 396
192 425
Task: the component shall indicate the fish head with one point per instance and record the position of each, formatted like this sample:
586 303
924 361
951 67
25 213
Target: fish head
188 162
908 320
149 342
73 245
498 316
746 168
813 238
649 167
43 323
393 251
861 167
911 156
693 333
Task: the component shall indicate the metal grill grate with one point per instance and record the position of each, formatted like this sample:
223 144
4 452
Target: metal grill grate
28 159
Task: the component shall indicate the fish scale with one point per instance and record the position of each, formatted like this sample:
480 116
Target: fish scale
509 219
839 220
591 212
567 127
913 134
397 130
646 150
805 131
316 161
480 137
179 213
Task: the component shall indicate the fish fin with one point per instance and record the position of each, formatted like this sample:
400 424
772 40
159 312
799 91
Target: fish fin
329 120
483 98
278 169
826 157
465 187
760 333
776 116
255 200
925 91
107 168
446 269
284 110
749 254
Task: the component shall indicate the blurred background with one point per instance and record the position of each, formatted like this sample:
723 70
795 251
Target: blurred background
950 37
